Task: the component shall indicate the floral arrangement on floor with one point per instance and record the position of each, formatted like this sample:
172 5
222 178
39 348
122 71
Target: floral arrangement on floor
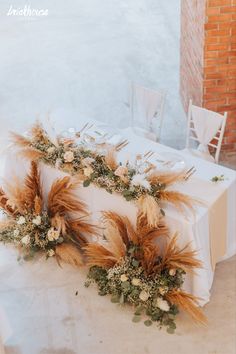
143 268
141 181
56 226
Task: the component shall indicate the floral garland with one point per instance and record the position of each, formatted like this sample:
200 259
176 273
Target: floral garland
130 267
137 266
140 182
37 225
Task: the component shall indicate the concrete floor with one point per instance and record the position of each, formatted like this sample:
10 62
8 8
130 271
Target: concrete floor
47 317
78 62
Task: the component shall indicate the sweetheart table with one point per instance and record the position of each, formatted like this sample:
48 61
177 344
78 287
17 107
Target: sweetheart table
211 230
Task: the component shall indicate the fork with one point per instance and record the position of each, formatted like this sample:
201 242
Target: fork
189 173
121 145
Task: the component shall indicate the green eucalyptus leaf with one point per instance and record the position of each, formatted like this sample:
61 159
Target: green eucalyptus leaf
86 183
136 318
170 330
115 298
148 323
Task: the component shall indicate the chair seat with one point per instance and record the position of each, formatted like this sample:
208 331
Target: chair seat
203 155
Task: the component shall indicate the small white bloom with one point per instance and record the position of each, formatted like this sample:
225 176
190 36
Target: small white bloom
162 304
21 220
144 295
87 161
51 150
140 180
123 277
136 282
121 171
68 156
16 232
25 240
53 234
37 220
88 171
172 272
163 290
50 253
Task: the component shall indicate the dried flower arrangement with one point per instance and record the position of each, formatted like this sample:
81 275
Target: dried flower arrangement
143 268
56 226
144 184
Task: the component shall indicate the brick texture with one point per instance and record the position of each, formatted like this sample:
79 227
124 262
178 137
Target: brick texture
208 60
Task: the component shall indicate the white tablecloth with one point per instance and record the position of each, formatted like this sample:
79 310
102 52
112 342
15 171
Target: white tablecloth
194 229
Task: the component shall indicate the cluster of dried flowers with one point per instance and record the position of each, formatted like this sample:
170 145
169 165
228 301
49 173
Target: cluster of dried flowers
140 266
144 268
139 182
57 225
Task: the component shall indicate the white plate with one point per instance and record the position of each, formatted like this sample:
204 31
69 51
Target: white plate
168 161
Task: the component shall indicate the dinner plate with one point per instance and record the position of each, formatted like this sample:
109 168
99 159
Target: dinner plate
168 161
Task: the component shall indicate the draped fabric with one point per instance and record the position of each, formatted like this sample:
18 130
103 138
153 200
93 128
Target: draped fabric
146 107
206 124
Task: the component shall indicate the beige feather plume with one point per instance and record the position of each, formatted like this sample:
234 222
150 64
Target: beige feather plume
31 154
33 188
62 198
179 200
149 209
110 159
99 255
70 254
115 242
19 140
175 257
6 205
188 303
166 178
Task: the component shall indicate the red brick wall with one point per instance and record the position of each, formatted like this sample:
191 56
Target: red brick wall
208 59
220 64
191 53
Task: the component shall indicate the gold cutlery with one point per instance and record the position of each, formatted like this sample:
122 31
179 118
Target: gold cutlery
121 145
189 173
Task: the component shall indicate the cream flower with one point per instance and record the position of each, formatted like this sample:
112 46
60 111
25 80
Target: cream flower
172 272
16 233
51 150
88 171
163 290
87 161
136 282
37 220
53 234
144 295
121 171
68 156
50 253
25 240
162 304
140 180
21 220
123 277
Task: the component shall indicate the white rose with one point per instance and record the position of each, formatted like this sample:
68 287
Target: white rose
68 156
88 171
87 161
162 304
26 240
144 295
140 180
53 234
51 150
37 220
50 253
136 282
16 232
21 220
123 277
172 272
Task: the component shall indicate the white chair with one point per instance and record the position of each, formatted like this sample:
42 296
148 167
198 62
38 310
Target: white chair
207 129
146 108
